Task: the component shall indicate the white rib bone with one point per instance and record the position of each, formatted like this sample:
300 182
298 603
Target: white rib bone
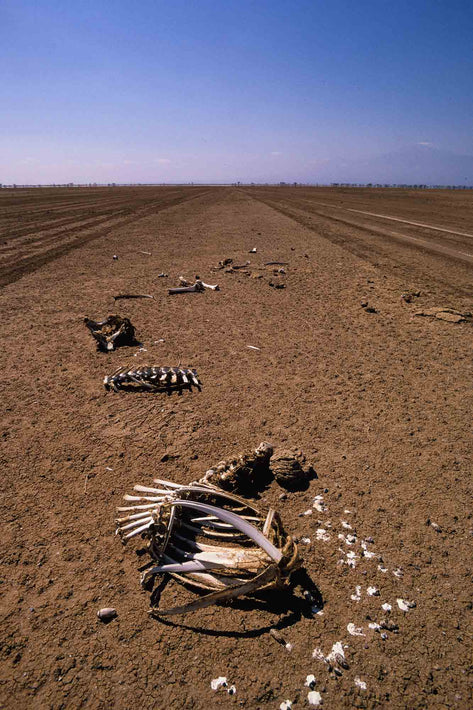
237 522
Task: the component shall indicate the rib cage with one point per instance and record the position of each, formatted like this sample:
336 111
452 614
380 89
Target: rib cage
151 378
208 538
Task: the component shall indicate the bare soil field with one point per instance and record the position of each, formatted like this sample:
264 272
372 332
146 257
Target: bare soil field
378 398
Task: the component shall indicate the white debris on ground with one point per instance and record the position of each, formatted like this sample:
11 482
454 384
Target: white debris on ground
319 504
404 605
217 683
375 626
322 534
314 698
304 541
231 690
360 683
337 653
355 630
346 525
357 595
288 646
382 568
348 511
373 591
286 705
350 558
310 681
386 607
398 572
307 512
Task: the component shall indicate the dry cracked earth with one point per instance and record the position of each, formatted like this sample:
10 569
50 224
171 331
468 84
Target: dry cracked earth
377 397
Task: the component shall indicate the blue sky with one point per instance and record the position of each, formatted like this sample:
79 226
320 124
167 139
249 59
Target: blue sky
226 90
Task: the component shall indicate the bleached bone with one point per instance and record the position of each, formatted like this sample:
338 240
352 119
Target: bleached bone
152 378
184 282
198 287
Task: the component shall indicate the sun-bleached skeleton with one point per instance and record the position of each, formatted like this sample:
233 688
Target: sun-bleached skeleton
151 378
208 538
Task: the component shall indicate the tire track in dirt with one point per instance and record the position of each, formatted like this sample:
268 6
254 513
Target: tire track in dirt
418 259
47 249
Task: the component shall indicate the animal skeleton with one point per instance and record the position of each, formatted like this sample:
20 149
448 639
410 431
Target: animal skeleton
209 539
113 331
152 378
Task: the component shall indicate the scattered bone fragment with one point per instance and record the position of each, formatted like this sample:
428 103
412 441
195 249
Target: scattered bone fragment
115 257
356 597
214 287
286 705
288 647
314 698
337 655
319 504
198 287
373 591
398 572
107 614
322 534
435 526
374 625
162 275
350 558
386 607
360 683
252 251
223 263
290 468
346 525
132 295
231 690
112 332
253 347
355 630
148 253
405 605
243 472
383 569
304 541
306 512
349 512
217 683
151 378
310 681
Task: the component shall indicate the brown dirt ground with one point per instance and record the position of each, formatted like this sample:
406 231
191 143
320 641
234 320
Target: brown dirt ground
379 402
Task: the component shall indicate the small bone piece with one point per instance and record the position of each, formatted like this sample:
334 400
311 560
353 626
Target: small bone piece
220 682
355 630
360 683
372 592
216 287
252 251
404 605
198 287
314 698
286 705
310 681
107 614
356 597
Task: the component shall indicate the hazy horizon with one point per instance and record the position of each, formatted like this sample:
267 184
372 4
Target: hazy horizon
213 92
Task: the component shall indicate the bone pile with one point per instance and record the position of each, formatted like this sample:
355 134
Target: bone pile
208 538
151 378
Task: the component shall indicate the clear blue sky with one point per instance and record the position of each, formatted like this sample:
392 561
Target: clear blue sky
226 90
